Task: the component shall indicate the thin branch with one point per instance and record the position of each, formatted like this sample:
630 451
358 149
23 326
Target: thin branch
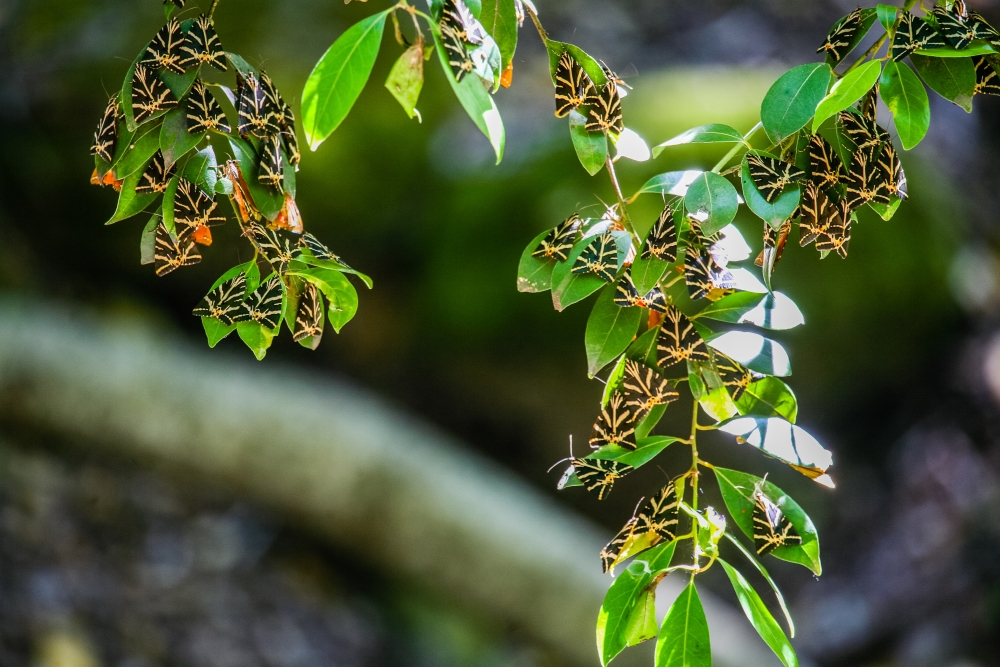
736 149
538 24
211 11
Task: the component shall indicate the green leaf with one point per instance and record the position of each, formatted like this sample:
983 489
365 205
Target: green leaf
730 308
338 291
167 206
610 329
223 186
713 195
590 66
144 144
256 336
649 422
713 133
764 573
761 618
499 17
126 94
717 404
306 256
626 596
982 49
267 200
792 100
754 351
613 380
904 94
215 330
591 147
886 211
241 66
867 19
201 170
775 311
338 78
534 274
846 91
887 16
670 183
647 272
952 78
569 287
769 397
646 451
147 242
129 202
179 84
475 100
641 624
773 213
644 348
684 640
406 78
785 442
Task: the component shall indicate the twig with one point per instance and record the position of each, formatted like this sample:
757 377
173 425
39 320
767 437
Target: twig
736 149
211 11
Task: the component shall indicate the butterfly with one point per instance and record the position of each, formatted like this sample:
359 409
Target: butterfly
987 82
573 86
165 49
825 166
662 240
223 301
837 234
678 340
309 316
605 110
772 175
627 295
318 250
771 528
735 376
600 257
155 178
558 242
169 254
276 250
655 523
599 474
202 46
193 208
149 94
704 275
842 36
256 112
203 112
106 134
815 213
960 28
270 170
913 33
892 169
865 133
866 182
644 389
263 306
241 194
613 425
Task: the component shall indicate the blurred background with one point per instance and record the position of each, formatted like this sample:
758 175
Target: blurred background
106 559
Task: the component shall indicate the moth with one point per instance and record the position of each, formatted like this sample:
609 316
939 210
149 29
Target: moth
644 389
289 218
837 235
816 211
613 425
774 242
459 59
605 110
678 340
149 94
842 35
656 522
959 27
600 258
735 376
662 240
255 111
201 46
913 33
241 195
106 135
772 175
558 242
865 133
169 254
178 3
704 275
165 49
825 166
599 475
193 208
987 82
276 250
270 171
204 112
627 295
771 528
866 182
573 86
155 178
892 169
223 301
309 316
456 15
263 306
318 250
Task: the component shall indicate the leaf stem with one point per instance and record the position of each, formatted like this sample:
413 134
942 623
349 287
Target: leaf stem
538 24
621 199
693 471
211 11
736 149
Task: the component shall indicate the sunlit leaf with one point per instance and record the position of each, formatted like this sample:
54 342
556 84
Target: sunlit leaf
499 18
713 200
534 274
713 133
952 78
630 145
256 336
761 619
754 351
792 99
670 183
786 442
610 329
904 94
406 78
769 397
684 640
591 147
775 311
216 330
846 91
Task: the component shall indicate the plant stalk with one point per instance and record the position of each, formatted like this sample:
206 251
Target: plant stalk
609 163
736 149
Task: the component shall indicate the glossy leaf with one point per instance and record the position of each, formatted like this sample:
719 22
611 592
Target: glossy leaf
764 573
306 256
337 79
129 201
175 140
406 78
590 65
713 133
982 49
167 206
649 422
886 211
643 348
143 145
647 272
887 15
684 639
713 196
268 200
499 17
761 619
754 351
339 292
646 451
847 90
147 242
610 329
534 274
670 183
731 308
773 213
775 311
904 94
769 397
952 78
201 170
215 330
792 99
626 595
257 337
786 442
126 94
591 147
629 144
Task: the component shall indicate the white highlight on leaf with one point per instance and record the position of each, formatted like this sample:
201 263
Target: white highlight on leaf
746 346
629 144
775 311
747 281
782 440
733 243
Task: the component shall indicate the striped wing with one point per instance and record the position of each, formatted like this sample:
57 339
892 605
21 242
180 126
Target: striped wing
735 376
149 94
657 522
309 316
826 168
866 182
771 528
892 168
598 475
606 110
222 302
772 175
678 340
256 112
263 306
270 171
558 242
193 208
614 425
106 135
914 33
705 277
987 81
204 112
627 295
842 35
202 46
572 85
644 389
155 178
169 255
662 240
865 133
600 258
165 49
837 235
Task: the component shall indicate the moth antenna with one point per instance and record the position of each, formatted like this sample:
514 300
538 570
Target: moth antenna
557 463
636 510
